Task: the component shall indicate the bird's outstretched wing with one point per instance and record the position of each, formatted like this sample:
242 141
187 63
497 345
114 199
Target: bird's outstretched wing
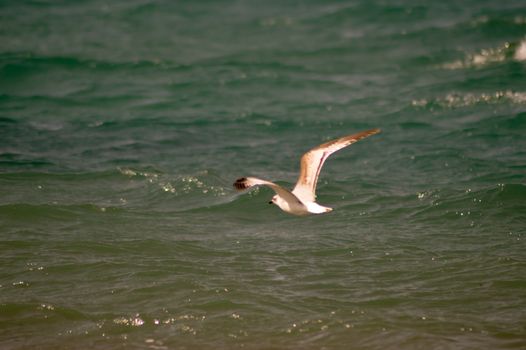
312 162
247 182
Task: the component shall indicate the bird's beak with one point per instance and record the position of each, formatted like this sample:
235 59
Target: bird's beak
270 202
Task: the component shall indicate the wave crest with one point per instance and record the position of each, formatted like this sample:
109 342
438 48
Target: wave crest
457 100
505 52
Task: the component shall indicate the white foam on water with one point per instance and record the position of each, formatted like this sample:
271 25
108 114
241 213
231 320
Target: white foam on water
520 52
481 58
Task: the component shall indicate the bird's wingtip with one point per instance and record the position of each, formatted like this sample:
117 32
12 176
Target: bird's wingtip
241 184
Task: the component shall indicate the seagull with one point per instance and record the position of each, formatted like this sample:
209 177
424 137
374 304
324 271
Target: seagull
302 199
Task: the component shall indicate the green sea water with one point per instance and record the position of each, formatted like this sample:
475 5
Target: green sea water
124 124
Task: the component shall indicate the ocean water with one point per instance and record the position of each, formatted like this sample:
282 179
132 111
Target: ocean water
124 125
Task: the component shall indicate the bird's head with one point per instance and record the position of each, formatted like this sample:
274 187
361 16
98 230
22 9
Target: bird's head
273 200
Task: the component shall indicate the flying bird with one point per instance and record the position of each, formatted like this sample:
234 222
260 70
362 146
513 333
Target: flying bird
302 199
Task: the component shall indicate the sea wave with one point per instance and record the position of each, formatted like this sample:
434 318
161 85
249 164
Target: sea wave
508 51
26 211
459 100
502 202
25 62
203 182
126 189
520 51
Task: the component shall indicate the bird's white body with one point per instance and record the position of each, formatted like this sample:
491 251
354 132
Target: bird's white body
297 207
302 199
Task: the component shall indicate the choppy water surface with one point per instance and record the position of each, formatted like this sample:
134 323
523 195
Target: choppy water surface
123 126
